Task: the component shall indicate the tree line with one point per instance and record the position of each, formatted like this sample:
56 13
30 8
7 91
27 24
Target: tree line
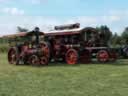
114 39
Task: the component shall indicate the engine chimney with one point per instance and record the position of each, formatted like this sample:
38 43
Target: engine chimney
37 30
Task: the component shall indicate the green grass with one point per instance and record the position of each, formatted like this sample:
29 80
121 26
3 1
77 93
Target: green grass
64 80
4 47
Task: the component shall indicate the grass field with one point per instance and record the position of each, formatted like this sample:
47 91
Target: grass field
64 80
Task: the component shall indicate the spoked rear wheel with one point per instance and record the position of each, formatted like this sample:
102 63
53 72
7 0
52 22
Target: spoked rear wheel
12 56
34 60
71 57
103 56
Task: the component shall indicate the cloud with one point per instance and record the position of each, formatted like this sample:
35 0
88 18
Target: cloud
111 18
12 11
8 24
96 20
119 12
86 20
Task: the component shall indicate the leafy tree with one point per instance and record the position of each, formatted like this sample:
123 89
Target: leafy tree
105 34
116 40
125 36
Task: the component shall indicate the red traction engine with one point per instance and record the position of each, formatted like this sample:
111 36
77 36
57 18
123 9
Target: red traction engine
33 52
73 44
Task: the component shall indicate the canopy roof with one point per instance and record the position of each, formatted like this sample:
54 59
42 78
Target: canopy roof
23 34
54 32
71 31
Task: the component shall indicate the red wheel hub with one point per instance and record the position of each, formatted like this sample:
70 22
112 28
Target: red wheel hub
103 56
72 57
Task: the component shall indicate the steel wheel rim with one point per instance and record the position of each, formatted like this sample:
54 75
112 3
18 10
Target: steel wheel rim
12 56
43 61
34 60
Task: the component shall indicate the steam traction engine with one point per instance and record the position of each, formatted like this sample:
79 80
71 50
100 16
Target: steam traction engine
73 44
31 51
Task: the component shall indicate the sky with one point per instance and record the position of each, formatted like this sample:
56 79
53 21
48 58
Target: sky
48 13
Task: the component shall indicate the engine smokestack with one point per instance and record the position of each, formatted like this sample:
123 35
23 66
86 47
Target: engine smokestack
37 30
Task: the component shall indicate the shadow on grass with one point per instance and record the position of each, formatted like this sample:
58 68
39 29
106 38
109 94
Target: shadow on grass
122 62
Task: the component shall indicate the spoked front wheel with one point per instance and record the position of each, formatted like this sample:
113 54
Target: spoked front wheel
34 60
